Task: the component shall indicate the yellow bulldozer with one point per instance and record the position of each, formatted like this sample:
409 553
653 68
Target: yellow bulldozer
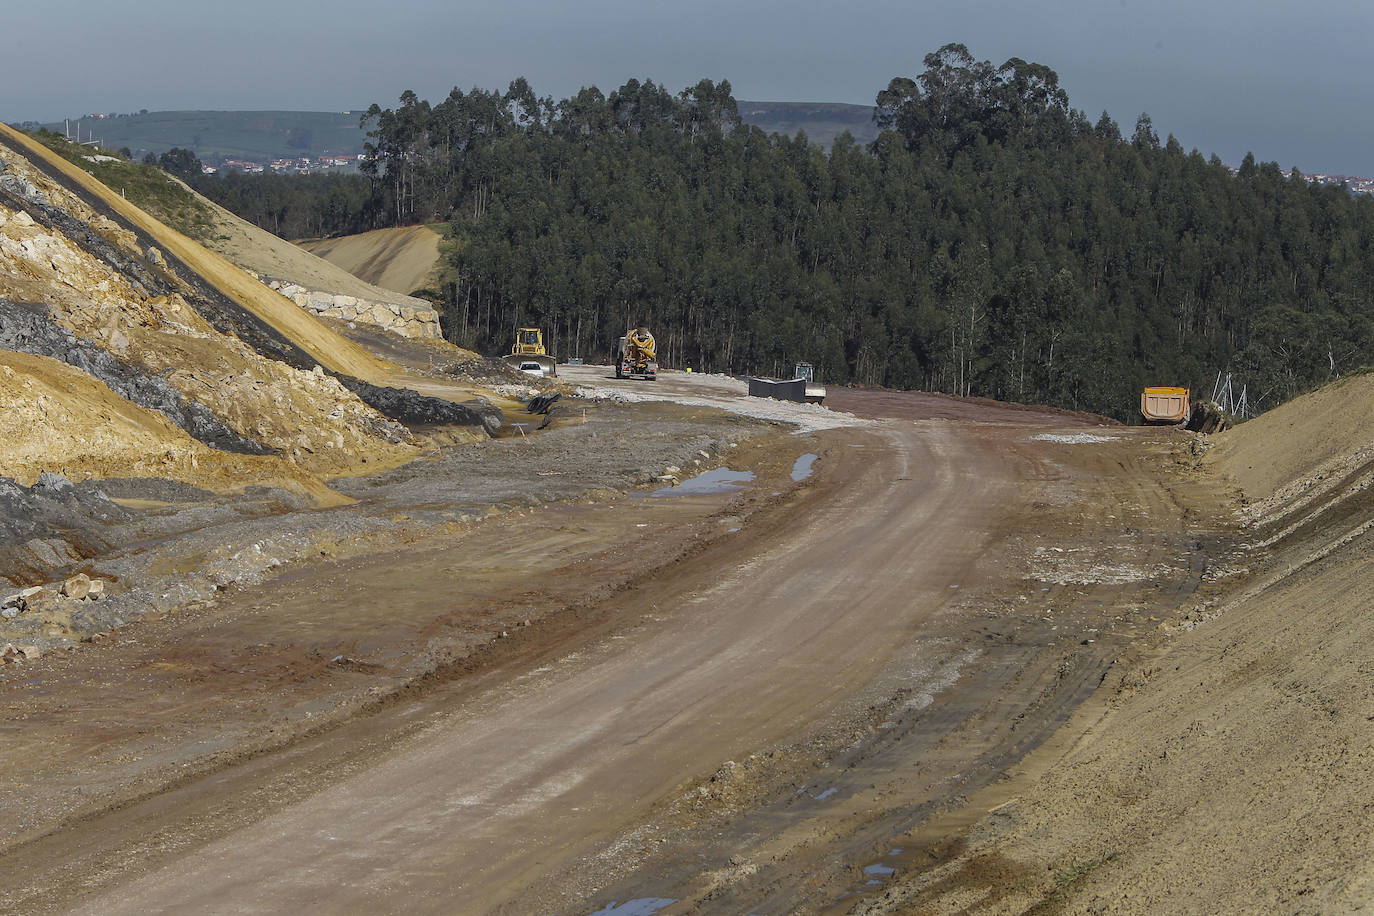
528 354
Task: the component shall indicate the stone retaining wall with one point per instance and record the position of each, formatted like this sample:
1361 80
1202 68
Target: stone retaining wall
406 319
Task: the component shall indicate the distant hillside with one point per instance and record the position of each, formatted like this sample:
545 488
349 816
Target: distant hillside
261 136
822 121
214 136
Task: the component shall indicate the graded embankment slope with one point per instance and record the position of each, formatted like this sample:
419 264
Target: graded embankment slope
264 253
1231 770
78 284
322 343
136 320
1320 433
401 259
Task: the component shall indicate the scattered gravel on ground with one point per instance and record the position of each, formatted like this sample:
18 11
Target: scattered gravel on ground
158 558
807 417
1071 438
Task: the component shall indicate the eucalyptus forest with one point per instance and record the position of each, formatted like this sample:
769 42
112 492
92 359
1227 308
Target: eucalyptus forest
993 241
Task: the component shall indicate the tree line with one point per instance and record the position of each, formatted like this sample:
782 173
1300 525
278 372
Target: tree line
992 241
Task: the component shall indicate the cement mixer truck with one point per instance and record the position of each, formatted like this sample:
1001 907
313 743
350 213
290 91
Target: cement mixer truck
634 355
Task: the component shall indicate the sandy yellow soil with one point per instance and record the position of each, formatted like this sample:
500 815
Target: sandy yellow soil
1229 767
57 418
321 342
1318 433
402 259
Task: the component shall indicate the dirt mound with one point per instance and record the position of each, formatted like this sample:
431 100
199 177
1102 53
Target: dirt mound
401 259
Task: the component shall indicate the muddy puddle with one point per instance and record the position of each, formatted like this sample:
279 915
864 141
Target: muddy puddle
717 480
801 468
643 906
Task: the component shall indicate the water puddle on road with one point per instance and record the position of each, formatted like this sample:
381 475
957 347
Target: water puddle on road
718 480
644 906
801 469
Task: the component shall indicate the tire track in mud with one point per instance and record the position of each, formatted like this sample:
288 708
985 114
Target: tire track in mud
705 682
189 808
785 852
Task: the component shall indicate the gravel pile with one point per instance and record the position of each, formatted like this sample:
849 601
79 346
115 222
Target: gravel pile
215 544
806 417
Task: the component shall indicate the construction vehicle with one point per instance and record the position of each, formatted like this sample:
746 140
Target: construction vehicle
1166 405
634 355
802 388
529 348
815 391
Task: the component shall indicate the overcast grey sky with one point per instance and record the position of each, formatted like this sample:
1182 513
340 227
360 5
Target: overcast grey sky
1287 80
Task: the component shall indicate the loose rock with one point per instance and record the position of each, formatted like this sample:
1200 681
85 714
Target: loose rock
78 586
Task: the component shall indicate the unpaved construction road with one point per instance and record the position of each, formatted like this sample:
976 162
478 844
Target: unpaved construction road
727 702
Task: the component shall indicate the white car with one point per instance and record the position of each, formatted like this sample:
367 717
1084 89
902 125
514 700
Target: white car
532 368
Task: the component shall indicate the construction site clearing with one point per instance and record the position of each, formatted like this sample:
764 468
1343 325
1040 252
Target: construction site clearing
307 616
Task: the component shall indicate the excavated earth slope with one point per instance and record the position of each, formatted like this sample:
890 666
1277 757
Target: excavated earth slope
269 256
127 350
401 259
1231 769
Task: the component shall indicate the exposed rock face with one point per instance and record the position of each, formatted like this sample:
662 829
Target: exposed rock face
132 321
29 512
420 410
408 320
36 521
29 329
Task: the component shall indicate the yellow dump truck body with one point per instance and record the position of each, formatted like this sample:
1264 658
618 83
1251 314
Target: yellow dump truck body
1165 404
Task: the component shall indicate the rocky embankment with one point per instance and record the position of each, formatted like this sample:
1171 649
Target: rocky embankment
414 318
94 297
162 547
141 395
80 286
30 329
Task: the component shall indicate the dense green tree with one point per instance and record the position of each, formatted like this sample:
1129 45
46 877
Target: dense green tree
180 162
992 241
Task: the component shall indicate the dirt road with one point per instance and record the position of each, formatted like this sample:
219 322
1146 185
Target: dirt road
914 616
